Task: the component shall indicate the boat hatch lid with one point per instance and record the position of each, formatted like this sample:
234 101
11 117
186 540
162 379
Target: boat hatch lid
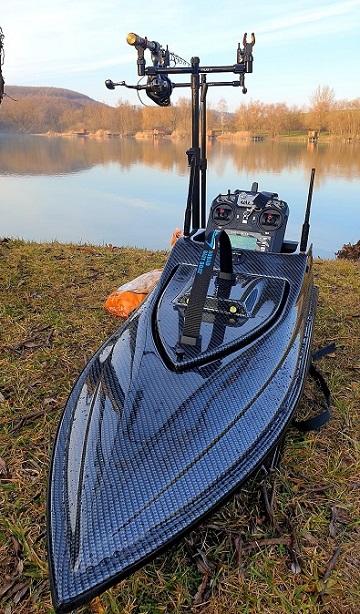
235 313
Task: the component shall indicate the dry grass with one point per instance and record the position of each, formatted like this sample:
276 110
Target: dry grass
301 555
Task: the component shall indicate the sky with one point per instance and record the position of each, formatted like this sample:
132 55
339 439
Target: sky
77 44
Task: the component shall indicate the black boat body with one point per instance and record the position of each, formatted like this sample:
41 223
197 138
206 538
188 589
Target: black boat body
148 444
195 390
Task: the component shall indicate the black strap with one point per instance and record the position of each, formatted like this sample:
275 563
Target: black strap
195 306
324 351
314 423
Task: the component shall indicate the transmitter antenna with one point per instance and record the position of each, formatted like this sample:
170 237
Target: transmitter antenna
306 224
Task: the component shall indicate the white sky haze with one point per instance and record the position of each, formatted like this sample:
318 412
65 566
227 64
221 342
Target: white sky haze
77 44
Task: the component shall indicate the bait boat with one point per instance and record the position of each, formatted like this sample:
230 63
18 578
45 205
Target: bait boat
189 396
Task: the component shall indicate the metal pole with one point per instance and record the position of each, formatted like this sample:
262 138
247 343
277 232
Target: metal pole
203 160
195 107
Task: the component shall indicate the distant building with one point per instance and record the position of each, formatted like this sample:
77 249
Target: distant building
313 136
157 134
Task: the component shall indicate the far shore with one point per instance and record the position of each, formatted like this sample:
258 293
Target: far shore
223 137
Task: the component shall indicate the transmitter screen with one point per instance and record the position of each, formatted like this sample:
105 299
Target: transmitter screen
242 241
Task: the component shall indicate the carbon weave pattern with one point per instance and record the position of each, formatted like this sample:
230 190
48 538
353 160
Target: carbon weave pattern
146 447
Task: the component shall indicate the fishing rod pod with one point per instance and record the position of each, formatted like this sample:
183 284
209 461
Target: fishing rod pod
159 88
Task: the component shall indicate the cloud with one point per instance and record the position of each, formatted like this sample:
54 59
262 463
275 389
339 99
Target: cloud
311 22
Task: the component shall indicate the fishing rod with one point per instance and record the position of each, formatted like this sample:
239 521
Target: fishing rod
159 88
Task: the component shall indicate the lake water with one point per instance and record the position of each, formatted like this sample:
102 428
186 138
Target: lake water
130 192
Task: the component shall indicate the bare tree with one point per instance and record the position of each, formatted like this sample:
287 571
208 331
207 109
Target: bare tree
293 119
275 118
183 125
322 102
344 119
250 117
127 118
222 107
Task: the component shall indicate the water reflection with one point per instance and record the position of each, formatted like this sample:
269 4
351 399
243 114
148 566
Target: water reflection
337 159
41 155
125 191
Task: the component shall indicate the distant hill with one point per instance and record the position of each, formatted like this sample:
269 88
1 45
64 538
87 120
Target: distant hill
40 110
75 98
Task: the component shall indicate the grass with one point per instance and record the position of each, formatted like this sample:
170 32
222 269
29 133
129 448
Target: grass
301 555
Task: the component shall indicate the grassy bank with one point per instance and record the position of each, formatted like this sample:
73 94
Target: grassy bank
301 555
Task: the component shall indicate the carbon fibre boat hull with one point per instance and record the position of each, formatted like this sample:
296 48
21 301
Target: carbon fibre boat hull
151 441
195 391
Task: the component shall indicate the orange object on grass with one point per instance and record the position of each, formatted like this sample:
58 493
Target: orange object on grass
129 296
125 299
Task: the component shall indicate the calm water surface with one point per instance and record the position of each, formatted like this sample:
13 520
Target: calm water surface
128 192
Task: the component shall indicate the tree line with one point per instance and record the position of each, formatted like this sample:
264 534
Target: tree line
44 112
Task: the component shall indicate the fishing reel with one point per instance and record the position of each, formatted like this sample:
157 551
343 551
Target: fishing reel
159 89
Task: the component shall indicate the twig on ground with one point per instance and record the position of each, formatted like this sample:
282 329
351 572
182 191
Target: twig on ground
328 571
